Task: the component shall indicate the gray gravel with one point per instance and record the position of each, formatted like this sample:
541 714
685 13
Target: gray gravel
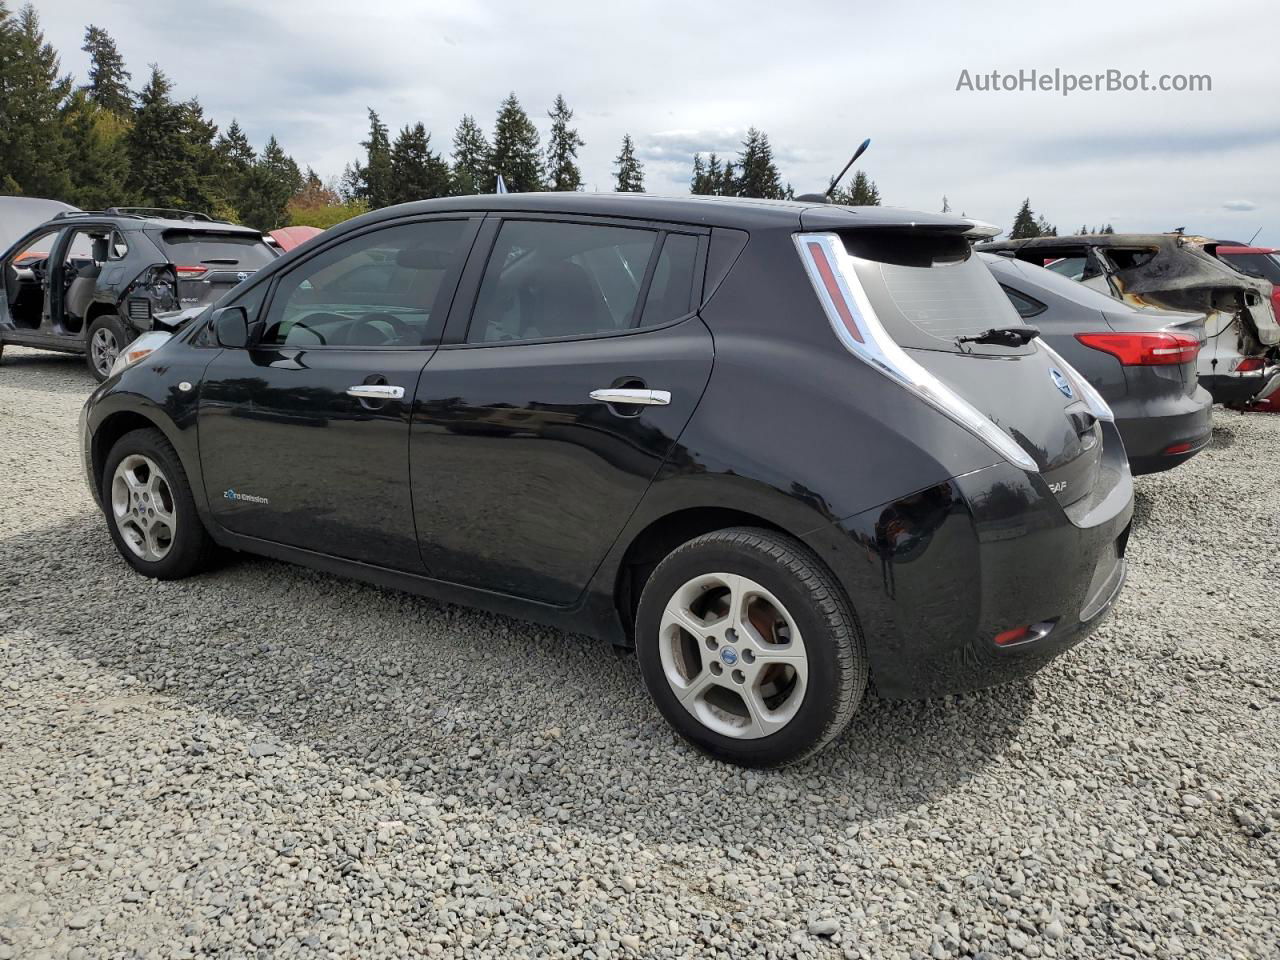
266 761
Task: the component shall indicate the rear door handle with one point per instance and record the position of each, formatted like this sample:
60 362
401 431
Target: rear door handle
376 391
648 398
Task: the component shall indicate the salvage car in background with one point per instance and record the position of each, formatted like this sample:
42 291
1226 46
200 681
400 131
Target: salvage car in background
1142 361
286 238
90 281
769 443
1169 270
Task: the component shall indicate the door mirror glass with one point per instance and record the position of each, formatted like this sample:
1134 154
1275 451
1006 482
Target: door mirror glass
231 327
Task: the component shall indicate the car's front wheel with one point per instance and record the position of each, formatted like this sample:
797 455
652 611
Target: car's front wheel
107 336
749 647
149 508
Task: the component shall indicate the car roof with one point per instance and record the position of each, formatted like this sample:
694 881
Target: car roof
744 213
1094 240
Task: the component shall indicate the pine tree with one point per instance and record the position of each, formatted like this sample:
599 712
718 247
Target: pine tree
759 176
97 153
417 172
1045 228
562 149
1024 224
269 185
108 84
370 182
727 183
629 175
516 154
33 149
471 159
234 149
698 179
946 204
170 148
715 174
863 192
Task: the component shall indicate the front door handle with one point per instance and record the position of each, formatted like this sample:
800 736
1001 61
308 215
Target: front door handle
624 395
376 391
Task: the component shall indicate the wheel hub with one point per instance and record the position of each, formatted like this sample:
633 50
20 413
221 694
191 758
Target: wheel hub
733 655
143 508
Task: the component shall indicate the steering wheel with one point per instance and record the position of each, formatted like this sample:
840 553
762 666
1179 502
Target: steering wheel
399 329
303 325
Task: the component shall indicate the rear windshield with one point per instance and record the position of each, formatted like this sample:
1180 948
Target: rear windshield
929 307
199 248
1255 265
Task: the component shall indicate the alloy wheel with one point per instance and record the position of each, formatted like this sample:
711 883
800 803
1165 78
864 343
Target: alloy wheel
143 508
733 655
103 350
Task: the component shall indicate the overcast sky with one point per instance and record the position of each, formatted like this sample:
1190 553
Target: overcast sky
816 77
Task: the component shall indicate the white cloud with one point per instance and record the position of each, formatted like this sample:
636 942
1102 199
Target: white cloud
680 76
1240 206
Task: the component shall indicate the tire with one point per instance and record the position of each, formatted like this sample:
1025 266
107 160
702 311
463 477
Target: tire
170 542
107 336
794 694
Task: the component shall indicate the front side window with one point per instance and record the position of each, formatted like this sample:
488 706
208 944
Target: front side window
384 288
547 280
35 250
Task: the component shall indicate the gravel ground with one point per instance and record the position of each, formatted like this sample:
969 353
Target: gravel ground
266 761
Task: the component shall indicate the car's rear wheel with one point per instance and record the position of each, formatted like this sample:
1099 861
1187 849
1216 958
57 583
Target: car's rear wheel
150 511
749 647
107 337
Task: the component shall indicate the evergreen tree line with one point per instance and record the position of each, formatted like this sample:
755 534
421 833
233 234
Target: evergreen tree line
101 143
409 168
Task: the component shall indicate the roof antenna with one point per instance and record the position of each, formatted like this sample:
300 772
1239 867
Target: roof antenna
1254 237
835 181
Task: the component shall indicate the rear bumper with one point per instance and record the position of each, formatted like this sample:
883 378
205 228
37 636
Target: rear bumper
1241 388
937 576
1166 434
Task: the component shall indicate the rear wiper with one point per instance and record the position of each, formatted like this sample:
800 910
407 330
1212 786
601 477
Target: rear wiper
1003 336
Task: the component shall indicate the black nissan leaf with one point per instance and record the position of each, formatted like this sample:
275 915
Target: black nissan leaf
782 449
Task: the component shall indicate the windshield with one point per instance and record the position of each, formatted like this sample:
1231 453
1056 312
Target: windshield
201 248
930 307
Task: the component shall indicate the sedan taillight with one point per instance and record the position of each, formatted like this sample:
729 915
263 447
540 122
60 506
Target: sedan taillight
1144 349
191 273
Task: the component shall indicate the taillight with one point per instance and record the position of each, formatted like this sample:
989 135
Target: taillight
1144 349
191 273
854 321
1250 364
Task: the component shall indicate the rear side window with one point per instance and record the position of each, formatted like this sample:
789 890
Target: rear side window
929 307
197 248
670 293
1025 306
546 279
385 288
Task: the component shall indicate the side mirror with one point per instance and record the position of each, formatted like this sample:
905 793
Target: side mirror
232 328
